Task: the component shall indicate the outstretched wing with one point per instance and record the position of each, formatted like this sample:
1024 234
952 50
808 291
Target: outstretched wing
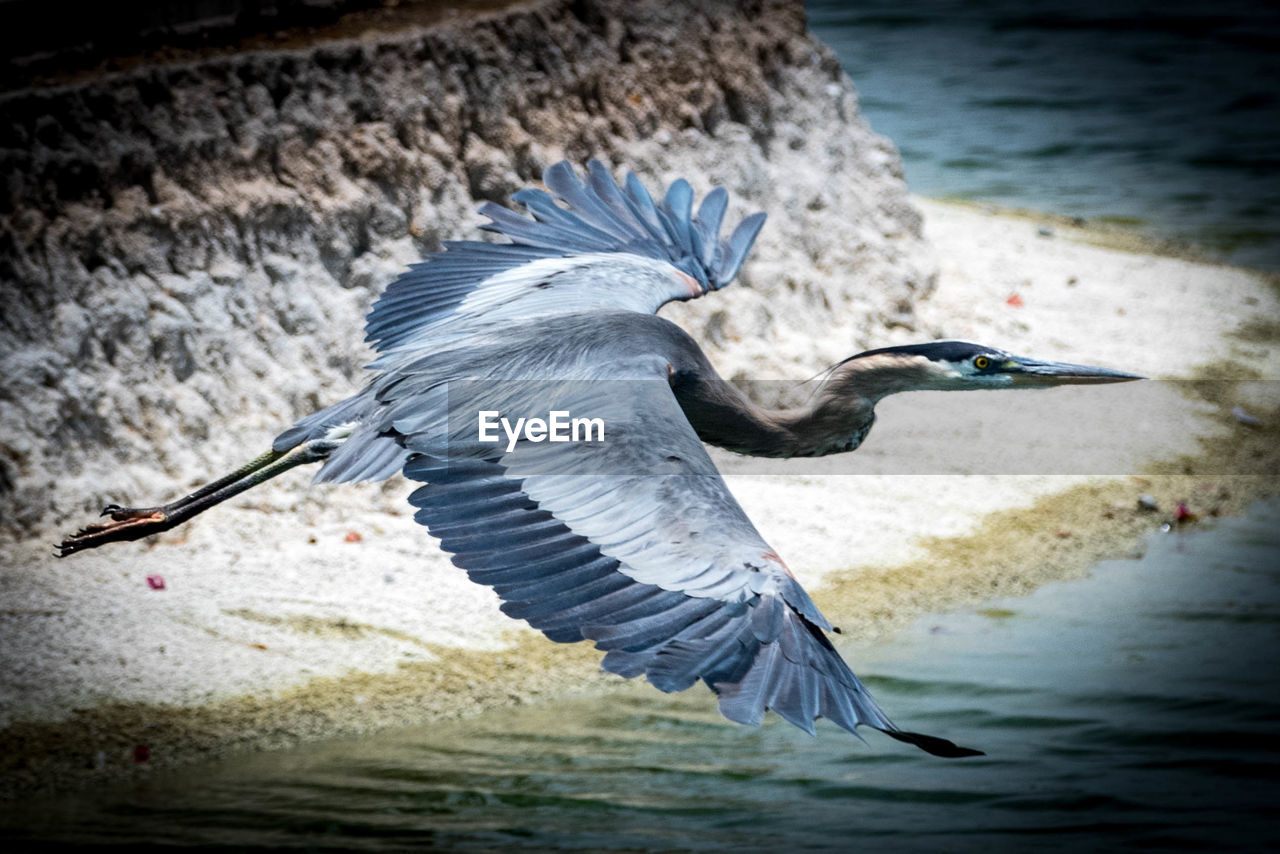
635 543
600 222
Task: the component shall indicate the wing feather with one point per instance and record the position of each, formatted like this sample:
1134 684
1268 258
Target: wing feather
707 225
473 281
541 586
598 217
738 246
546 235
656 223
663 572
604 188
648 629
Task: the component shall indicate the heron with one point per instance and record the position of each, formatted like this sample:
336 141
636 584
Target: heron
630 540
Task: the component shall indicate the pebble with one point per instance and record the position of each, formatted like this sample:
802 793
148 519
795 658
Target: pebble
1244 417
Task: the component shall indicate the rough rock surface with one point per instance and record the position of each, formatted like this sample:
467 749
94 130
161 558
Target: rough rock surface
187 251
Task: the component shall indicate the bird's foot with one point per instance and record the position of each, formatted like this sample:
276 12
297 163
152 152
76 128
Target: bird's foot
124 514
127 523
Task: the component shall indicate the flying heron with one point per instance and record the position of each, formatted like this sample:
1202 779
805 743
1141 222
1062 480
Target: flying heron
631 538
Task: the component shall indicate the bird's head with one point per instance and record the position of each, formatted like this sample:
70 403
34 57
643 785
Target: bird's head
958 366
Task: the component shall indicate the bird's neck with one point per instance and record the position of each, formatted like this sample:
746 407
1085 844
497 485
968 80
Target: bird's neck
723 416
825 425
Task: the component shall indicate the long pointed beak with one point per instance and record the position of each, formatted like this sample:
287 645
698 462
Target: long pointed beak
1033 373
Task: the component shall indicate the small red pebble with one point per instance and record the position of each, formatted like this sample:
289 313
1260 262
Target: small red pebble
1182 514
1014 300
155 582
353 537
141 754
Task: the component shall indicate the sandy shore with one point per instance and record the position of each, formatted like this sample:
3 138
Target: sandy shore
300 613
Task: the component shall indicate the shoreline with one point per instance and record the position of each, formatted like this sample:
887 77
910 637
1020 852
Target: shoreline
1099 232
1006 536
96 746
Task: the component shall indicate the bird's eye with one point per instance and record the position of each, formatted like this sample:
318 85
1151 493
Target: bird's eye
982 363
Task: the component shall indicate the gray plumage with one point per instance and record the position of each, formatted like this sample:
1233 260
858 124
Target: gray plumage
633 541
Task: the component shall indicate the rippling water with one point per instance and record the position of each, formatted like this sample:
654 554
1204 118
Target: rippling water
1136 708
1164 115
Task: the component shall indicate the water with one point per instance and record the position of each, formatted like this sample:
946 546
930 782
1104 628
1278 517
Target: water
1163 115
1137 708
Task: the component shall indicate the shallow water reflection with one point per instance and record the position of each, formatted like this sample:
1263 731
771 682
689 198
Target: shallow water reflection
1136 708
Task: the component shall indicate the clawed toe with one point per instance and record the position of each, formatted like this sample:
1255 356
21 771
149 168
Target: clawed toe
126 524
125 514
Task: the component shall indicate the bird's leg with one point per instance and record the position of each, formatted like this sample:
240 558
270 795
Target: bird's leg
133 523
122 514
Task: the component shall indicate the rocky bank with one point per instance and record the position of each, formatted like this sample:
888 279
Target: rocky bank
188 249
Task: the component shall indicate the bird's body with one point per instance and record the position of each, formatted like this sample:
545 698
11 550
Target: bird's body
588 347
630 538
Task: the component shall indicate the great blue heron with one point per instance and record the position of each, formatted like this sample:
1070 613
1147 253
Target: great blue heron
631 539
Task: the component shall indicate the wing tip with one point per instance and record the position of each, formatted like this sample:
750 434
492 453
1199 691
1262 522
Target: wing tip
671 221
932 744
